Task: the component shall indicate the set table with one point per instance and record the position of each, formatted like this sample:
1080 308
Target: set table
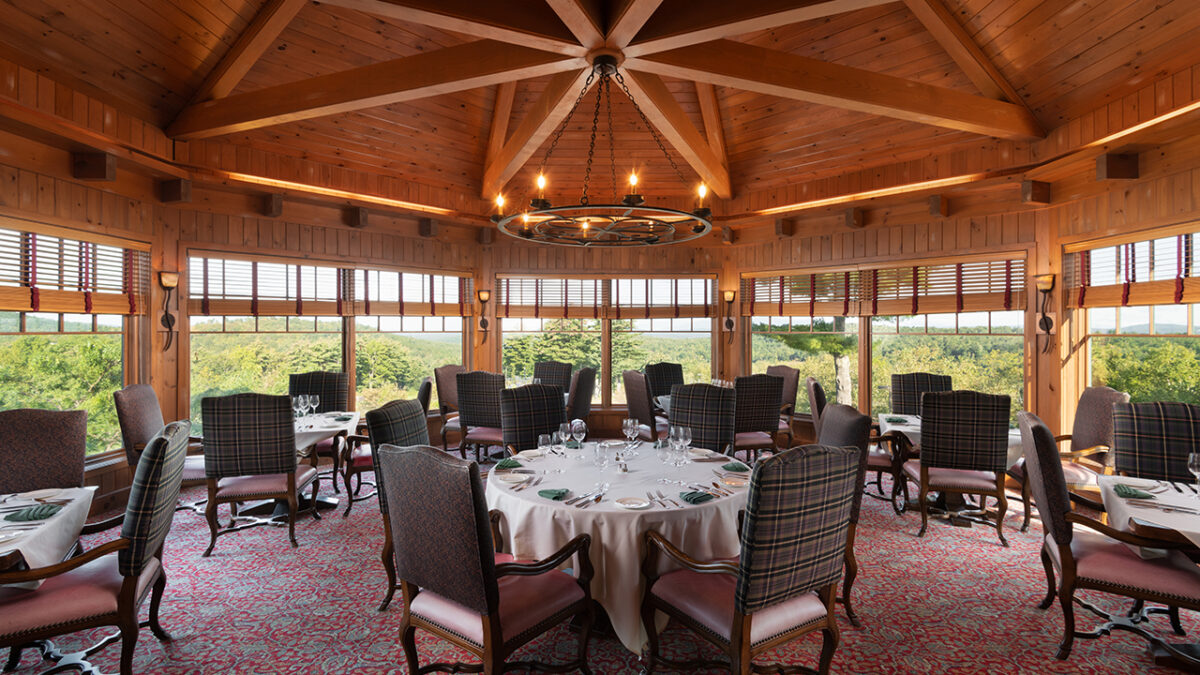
44 542
310 430
911 428
536 527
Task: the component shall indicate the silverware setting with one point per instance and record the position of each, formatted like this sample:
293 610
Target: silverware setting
594 500
528 484
655 500
668 499
1168 508
578 498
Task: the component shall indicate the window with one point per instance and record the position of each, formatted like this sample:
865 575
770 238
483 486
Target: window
528 341
393 354
636 342
822 347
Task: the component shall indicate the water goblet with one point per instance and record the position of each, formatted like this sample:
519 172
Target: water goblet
579 431
564 434
296 407
544 443
600 456
314 401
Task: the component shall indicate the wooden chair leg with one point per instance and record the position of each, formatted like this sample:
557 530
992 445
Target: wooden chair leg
389 566
651 634
848 585
1025 498
1048 565
291 500
408 638
1001 509
585 633
1065 599
922 493
160 586
129 636
210 514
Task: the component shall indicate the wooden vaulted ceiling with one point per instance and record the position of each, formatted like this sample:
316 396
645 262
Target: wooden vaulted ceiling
751 96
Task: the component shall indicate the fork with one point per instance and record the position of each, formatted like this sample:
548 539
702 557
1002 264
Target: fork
668 499
654 500
526 486
594 500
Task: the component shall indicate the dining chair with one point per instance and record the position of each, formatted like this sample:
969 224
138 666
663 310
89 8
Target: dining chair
250 454
783 585
553 372
41 449
455 584
757 400
579 397
333 391
445 379
651 427
406 419
140 419
529 411
479 411
1152 440
662 377
908 388
845 427
1088 454
1098 557
816 403
964 450
708 411
787 407
97 588
425 393
400 423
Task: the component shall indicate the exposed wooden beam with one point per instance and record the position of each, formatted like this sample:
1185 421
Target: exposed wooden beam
583 19
1035 192
94 166
854 218
1111 166
627 20
784 227
665 113
534 129
710 112
427 228
501 112
728 236
249 47
486 235
475 64
356 217
529 23
767 71
175 191
680 23
939 205
272 205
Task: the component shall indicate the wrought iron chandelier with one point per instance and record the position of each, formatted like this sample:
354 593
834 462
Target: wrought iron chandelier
627 223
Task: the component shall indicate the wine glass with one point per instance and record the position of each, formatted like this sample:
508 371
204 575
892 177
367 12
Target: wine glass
544 443
579 431
564 434
314 401
296 407
303 404
1194 466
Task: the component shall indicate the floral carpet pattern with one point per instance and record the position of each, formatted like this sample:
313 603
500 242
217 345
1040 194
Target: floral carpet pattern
954 601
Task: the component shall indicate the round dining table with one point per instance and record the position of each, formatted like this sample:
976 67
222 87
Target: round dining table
534 527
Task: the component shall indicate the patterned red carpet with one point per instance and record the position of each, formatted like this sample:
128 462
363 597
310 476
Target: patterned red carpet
953 602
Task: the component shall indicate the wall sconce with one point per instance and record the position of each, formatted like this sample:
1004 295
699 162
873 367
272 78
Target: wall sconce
483 295
1045 284
169 281
728 296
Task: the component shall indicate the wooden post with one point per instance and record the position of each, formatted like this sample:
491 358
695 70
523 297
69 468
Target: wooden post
728 236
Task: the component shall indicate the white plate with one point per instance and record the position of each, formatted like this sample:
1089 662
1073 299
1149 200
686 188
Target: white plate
633 503
512 477
41 494
735 481
531 454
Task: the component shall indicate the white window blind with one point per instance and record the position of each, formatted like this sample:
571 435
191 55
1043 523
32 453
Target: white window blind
54 274
596 298
814 294
1148 272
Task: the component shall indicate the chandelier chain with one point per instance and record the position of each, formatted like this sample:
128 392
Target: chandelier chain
649 127
587 174
612 140
566 120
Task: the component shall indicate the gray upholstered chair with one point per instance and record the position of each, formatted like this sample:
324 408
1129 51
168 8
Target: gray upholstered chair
787 408
845 427
783 585
425 393
445 379
453 582
98 588
529 411
757 400
41 449
333 392
908 388
553 372
1097 557
816 403
708 411
651 427
479 411
579 398
1152 440
662 378
964 450
250 454
140 419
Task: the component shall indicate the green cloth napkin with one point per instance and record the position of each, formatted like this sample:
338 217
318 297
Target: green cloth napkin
344 418
39 512
557 495
736 466
896 420
508 464
572 445
695 497
1129 492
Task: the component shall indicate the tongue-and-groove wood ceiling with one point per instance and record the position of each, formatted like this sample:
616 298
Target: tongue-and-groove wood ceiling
999 68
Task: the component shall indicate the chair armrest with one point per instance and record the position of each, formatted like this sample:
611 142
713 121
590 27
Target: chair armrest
580 544
1122 536
102 525
1076 454
655 543
64 566
494 517
1086 501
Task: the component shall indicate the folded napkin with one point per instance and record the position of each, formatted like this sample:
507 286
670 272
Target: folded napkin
695 497
896 420
572 444
736 466
344 418
1129 492
557 495
39 512
508 464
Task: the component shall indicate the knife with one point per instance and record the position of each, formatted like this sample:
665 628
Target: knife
1188 486
582 497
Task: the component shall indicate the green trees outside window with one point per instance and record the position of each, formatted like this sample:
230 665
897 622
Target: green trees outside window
1153 353
822 347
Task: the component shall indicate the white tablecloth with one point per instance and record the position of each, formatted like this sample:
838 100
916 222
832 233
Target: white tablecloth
1120 511
55 536
313 429
536 527
911 427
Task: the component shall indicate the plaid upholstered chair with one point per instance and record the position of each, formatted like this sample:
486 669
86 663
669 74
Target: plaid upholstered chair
783 585
400 423
98 588
41 449
1091 440
553 372
334 392
445 379
845 427
757 400
250 454
479 411
453 582
787 407
140 419
964 450
1152 440
651 427
908 388
528 411
1098 557
662 378
816 403
425 393
709 412
579 397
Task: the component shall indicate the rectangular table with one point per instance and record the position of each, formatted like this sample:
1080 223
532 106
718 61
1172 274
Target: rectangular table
911 428
53 538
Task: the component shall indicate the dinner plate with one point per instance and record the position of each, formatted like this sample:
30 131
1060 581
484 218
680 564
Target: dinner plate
41 494
512 477
735 481
633 503
531 454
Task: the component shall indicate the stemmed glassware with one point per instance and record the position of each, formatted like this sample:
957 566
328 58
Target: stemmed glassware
1193 465
314 402
296 407
563 435
579 431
